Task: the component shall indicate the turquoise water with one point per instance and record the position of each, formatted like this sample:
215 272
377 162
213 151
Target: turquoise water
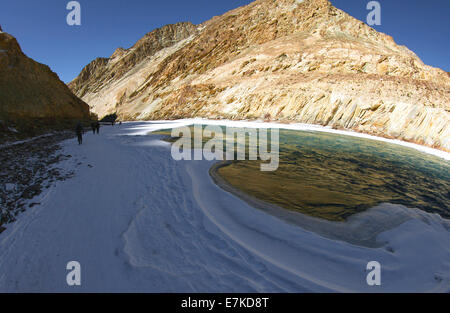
334 176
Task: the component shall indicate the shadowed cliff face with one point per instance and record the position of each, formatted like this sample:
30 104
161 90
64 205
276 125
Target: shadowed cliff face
30 92
287 60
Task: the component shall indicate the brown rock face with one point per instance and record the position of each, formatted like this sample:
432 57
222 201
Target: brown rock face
290 60
101 71
31 91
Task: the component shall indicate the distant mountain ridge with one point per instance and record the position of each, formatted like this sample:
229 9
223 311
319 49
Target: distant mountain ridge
286 60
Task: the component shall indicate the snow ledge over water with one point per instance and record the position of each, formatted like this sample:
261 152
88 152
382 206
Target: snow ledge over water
145 127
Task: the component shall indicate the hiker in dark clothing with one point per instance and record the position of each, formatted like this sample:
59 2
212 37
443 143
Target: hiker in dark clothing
97 127
93 126
79 131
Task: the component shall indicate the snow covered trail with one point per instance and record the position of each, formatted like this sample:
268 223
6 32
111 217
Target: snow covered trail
136 220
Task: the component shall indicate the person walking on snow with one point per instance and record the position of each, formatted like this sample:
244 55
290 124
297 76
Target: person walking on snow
97 127
79 132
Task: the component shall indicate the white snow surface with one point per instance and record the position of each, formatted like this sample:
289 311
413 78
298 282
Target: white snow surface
138 221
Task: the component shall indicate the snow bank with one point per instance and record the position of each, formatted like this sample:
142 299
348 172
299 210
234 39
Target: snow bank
145 127
137 220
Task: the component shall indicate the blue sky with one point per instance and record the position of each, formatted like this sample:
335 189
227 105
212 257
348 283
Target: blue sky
41 29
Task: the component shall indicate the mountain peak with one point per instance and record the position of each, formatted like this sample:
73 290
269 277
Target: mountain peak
303 61
118 53
9 44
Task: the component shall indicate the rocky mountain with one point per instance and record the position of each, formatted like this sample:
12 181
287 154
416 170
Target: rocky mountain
32 97
286 60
